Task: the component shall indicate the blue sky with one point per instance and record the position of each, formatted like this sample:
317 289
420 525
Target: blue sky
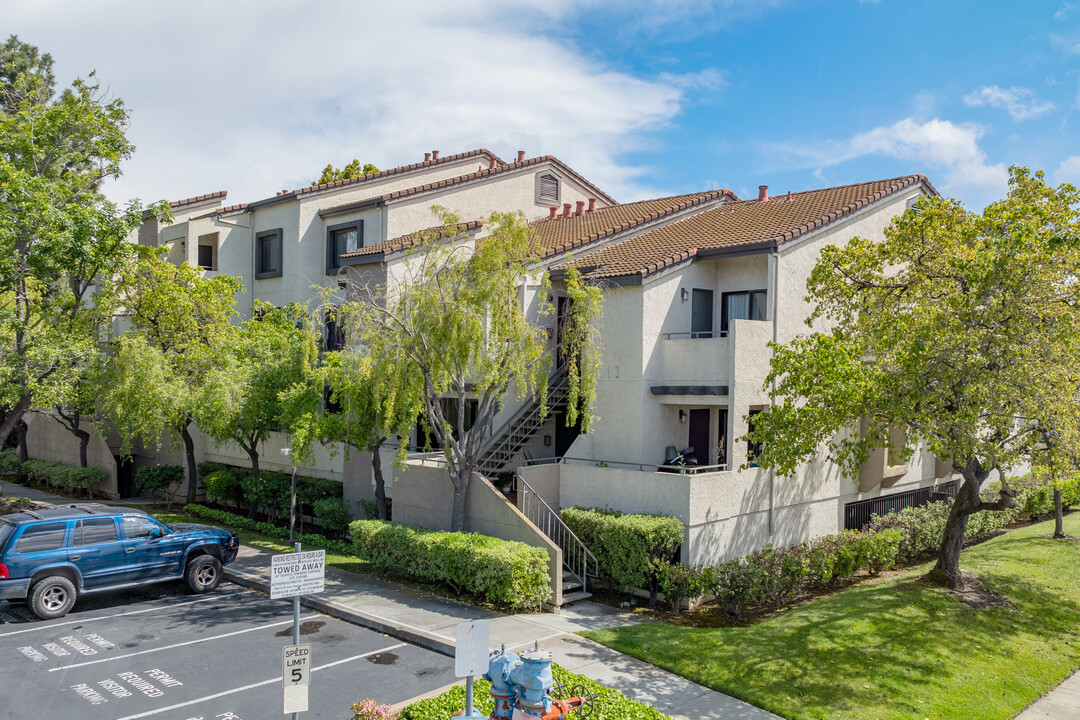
646 98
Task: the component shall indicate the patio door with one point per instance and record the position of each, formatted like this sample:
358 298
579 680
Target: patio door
701 313
699 435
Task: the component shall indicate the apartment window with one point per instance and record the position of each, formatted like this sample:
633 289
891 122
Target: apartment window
207 257
268 254
334 337
746 305
450 412
342 239
547 188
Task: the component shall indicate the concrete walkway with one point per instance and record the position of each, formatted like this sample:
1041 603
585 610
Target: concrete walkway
1061 703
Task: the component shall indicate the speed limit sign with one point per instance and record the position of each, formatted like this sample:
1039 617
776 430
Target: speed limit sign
296 665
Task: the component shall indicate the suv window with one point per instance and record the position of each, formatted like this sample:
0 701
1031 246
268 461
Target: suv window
46 536
94 530
5 532
138 527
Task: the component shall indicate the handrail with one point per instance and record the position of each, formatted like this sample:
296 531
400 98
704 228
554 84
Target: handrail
642 467
556 382
575 555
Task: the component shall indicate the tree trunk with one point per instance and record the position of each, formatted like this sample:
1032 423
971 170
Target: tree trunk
1059 528
461 486
12 419
946 571
84 442
253 453
380 485
22 427
191 469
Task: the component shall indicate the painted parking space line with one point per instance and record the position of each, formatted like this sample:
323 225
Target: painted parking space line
277 679
123 614
183 644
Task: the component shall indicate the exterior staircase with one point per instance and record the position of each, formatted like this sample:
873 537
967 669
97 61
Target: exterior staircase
512 437
579 564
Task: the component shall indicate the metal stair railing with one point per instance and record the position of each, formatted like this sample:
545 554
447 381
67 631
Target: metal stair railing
516 432
576 557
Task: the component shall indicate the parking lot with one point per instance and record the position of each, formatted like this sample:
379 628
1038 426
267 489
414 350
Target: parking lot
158 652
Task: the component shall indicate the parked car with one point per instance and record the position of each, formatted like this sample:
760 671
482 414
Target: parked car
51 557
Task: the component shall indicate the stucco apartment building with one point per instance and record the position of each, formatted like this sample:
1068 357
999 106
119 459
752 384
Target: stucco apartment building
695 287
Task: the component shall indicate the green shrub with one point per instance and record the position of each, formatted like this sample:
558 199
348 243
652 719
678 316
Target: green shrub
238 522
310 490
921 529
681 582
271 493
9 461
780 571
151 478
371 509
509 574
608 704
66 479
736 584
883 550
625 545
222 487
332 514
207 467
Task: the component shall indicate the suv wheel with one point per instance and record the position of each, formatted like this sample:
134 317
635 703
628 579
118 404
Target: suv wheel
52 597
203 574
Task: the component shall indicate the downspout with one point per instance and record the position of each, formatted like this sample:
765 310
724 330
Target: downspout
775 257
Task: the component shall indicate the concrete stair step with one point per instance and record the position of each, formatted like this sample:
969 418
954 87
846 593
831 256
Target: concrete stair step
571 598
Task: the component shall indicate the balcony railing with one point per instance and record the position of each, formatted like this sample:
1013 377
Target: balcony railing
640 467
698 335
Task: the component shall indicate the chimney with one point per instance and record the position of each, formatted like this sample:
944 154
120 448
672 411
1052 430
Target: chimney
565 210
491 166
521 156
789 196
554 210
427 157
580 209
434 154
592 205
763 193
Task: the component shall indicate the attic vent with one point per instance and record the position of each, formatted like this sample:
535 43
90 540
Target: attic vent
547 188
913 204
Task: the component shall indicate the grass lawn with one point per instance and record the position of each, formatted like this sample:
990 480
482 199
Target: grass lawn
254 539
897 649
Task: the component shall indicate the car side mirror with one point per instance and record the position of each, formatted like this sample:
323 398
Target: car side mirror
155 533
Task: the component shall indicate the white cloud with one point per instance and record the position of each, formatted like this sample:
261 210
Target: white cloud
932 145
1068 171
1020 102
1065 11
255 96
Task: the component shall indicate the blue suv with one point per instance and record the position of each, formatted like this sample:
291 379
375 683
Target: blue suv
50 557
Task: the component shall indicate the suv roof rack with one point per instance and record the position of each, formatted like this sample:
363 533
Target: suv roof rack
31 513
84 508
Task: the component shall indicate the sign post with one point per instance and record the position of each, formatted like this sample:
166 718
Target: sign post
293 575
471 651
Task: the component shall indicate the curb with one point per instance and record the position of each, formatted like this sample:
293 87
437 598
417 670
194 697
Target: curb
349 614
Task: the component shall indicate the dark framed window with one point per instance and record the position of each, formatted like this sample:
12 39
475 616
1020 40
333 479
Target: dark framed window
334 338
450 412
93 531
745 305
329 402
206 257
340 240
268 254
37 538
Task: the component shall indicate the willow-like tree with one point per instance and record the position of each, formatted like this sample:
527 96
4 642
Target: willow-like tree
350 170
961 329
61 241
458 314
244 394
154 381
360 396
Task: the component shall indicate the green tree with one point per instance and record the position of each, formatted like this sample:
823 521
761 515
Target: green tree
458 318
351 170
961 329
375 392
248 389
61 242
155 378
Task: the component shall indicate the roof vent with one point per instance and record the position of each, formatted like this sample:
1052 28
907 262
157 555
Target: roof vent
521 156
491 165
580 209
434 154
763 193
566 209
592 205
554 210
427 157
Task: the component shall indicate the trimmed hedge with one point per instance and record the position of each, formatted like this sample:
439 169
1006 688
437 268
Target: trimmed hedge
271 494
608 703
238 522
509 574
151 478
332 514
626 546
9 461
222 487
67 479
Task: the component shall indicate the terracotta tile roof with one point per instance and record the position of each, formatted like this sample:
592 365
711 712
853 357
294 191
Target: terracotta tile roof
471 177
744 223
396 171
566 233
407 241
223 211
219 195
